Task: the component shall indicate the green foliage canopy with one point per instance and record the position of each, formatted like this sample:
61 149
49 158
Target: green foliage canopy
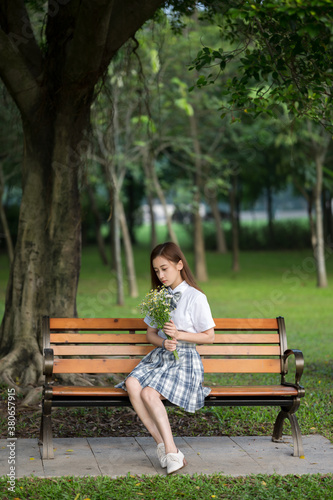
284 54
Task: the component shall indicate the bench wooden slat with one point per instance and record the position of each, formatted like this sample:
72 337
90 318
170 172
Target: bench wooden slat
127 365
141 338
239 350
246 324
241 365
255 390
98 338
139 324
246 338
72 390
94 365
242 390
102 350
97 324
141 350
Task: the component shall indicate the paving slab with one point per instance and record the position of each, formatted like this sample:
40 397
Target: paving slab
277 458
231 456
222 455
72 457
119 455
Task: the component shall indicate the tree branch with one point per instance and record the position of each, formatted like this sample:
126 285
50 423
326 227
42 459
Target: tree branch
85 51
15 23
127 18
101 28
15 74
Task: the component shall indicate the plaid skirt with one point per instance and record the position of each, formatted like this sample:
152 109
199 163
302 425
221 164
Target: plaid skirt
180 382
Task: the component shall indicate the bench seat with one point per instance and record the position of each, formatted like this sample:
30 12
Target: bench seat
216 391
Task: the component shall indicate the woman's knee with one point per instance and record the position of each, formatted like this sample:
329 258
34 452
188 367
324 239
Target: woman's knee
150 395
133 386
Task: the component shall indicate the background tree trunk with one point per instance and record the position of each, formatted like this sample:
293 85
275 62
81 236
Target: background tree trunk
221 245
150 197
156 189
320 248
320 147
130 266
234 225
97 218
199 242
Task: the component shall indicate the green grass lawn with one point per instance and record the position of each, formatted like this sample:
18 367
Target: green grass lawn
269 284
197 487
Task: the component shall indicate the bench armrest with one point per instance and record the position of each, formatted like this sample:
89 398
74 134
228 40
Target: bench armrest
48 361
299 360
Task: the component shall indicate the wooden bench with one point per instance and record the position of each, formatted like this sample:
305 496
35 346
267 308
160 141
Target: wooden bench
100 346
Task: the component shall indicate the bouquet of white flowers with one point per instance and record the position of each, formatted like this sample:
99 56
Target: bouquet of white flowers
157 305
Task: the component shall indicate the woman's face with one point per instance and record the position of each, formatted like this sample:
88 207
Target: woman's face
168 272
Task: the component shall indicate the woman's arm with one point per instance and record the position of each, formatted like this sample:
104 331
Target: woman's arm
154 339
206 337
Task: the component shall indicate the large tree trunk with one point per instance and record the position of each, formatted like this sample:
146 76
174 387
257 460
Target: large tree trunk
45 271
53 89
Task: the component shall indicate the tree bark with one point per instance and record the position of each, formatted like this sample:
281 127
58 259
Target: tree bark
3 219
53 89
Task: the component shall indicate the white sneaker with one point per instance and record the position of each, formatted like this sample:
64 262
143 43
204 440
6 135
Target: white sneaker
161 455
175 461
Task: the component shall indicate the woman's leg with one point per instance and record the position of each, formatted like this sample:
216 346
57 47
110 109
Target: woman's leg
134 390
157 412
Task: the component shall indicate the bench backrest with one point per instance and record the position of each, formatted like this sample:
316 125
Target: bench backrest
102 345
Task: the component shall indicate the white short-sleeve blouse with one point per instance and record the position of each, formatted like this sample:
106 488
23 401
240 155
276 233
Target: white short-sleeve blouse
192 314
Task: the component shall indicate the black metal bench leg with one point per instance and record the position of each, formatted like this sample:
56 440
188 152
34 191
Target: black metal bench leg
46 431
295 430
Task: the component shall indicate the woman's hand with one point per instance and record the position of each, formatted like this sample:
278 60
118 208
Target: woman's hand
171 330
170 344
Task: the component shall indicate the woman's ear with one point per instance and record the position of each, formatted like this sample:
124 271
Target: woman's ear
180 265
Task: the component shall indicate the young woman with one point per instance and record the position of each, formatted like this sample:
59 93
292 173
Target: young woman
159 375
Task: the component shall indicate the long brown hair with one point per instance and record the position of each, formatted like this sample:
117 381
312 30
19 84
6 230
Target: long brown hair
173 253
